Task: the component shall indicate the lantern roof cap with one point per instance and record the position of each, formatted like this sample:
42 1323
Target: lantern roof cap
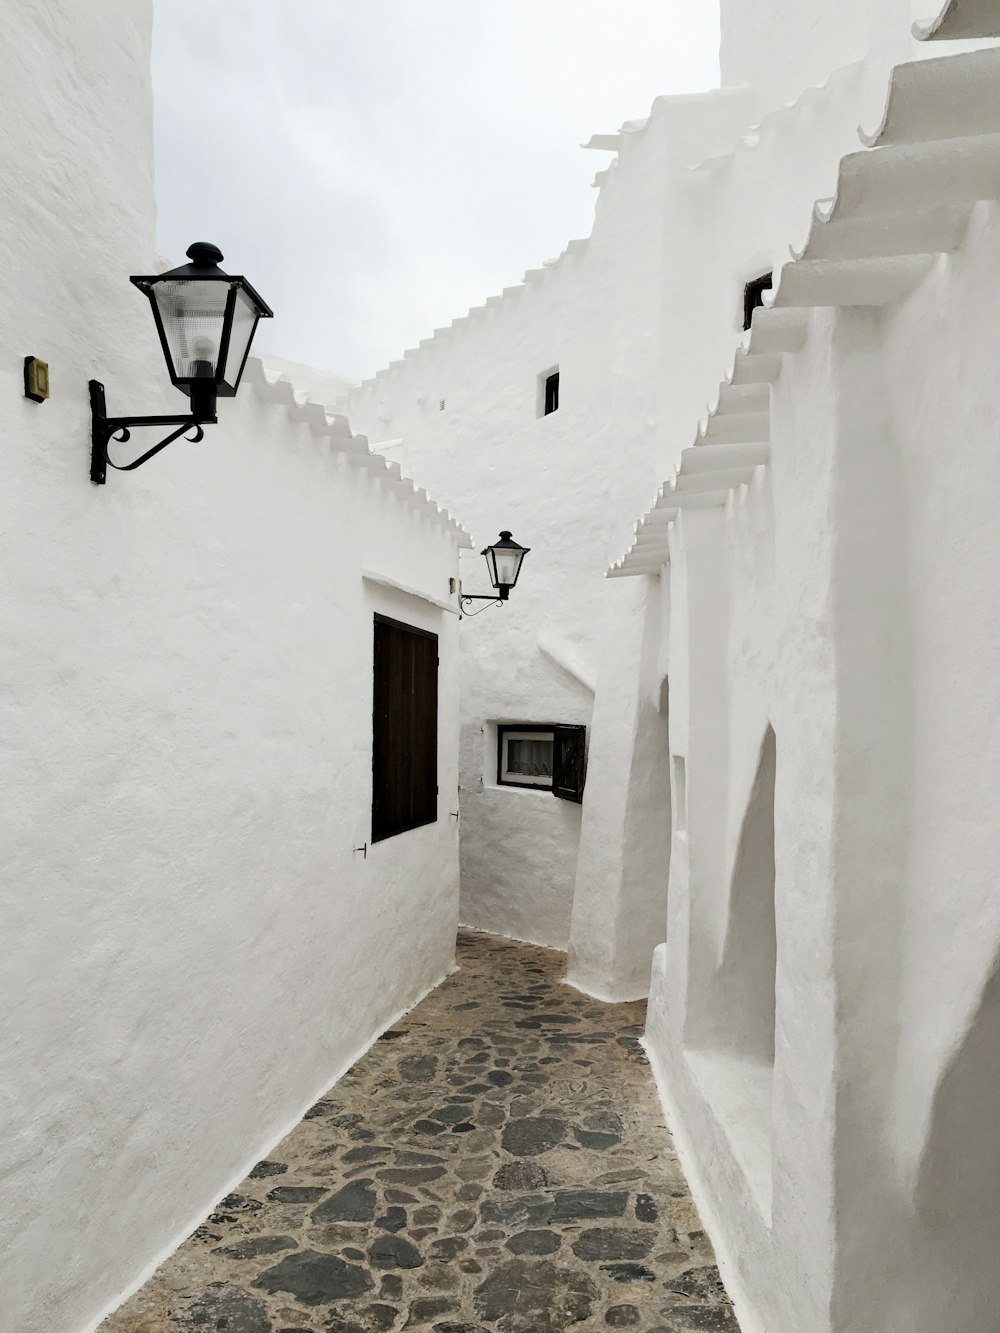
205 260
204 265
505 543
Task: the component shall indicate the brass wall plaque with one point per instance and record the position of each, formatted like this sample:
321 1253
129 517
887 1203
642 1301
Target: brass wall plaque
36 379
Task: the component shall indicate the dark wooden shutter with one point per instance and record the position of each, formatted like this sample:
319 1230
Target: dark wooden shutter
404 728
569 762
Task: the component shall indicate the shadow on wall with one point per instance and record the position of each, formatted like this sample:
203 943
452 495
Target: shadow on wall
957 1197
733 1061
747 975
664 709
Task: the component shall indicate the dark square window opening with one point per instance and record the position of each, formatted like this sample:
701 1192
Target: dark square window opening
543 755
524 755
547 400
404 728
753 296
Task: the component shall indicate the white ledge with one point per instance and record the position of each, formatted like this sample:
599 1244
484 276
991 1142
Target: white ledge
383 581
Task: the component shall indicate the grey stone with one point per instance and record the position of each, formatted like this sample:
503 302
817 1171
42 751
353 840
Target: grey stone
698 1284
715 1318
354 1203
645 1208
363 1154
613 1243
297 1193
256 1245
449 1246
393 1219
572 1204
622 1316
423 1311
236 1203
394 1252
534 1242
418 1068
520 1176
265 1168
381 1317
591 1138
629 1272
517 1211
604 1121
450 1115
533 1135
411 1175
535 1297
313 1278
230 1308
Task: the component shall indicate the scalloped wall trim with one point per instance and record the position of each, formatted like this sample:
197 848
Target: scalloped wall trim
960 20
901 203
335 429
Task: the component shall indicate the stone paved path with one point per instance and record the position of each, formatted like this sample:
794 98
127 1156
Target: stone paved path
497 1163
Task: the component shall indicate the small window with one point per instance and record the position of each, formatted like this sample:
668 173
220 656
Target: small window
549 757
524 756
548 392
753 296
405 720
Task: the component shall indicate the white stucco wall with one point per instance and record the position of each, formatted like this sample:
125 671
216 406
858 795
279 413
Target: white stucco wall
195 951
780 47
842 592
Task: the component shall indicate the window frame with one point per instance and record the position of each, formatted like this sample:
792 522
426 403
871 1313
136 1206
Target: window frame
541 391
517 730
380 831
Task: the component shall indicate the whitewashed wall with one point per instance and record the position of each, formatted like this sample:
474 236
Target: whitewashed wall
824 1015
194 950
701 196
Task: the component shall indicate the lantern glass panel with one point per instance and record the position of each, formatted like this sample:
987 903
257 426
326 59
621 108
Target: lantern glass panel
245 315
192 315
506 565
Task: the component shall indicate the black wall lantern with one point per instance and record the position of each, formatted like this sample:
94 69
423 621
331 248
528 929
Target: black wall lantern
206 320
503 560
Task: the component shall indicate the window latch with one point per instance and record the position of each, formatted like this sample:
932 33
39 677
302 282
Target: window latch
363 848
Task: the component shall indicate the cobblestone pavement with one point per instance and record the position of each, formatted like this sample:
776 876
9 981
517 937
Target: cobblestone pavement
496 1163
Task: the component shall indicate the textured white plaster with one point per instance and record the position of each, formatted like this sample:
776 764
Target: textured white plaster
841 587
185 686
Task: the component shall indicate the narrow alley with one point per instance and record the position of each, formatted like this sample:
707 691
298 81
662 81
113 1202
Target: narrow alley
497 1161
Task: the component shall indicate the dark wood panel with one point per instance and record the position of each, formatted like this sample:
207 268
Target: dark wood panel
404 728
569 762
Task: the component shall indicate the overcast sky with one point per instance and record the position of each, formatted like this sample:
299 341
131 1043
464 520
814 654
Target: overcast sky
375 167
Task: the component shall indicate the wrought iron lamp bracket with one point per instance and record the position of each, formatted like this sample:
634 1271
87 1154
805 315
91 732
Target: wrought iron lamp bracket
493 599
104 429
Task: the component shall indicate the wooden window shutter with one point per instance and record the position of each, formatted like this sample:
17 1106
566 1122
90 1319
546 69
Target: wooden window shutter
569 763
404 728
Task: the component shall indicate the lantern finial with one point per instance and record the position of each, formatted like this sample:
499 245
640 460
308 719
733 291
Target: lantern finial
203 254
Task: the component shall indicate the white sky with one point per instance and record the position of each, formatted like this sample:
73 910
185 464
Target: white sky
375 167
